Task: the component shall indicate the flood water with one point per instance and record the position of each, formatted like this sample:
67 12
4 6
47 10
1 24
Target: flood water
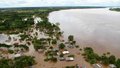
98 28
3 38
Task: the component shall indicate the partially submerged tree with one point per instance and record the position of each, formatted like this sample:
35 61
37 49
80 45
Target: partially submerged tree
61 46
70 38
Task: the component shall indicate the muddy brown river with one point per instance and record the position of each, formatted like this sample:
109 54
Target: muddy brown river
97 28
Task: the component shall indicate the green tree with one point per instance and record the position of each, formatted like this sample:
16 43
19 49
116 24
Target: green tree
70 38
5 63
54 41
62 46
105 60
112 59
118 63
24 61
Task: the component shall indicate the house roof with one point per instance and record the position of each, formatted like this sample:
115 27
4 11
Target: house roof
112 65
70 58
65 52
17 55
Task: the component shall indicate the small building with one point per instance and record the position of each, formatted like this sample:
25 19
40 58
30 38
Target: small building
17 55
70 59
112 66
70 46
61 58
97 66
40 50
65 52
55 49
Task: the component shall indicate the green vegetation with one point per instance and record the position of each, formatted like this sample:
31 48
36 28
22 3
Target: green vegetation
90 56
54 41
15 23
70 38
11 51
19 62
105 59
39 44
48 28
61 46
22 46
4 45
13 20
50 56
24 36
70 67
6 63
24 61
117 63
71 56
114 9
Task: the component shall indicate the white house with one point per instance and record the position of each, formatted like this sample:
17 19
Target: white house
17 55
65 52
112 66
70 59
97 66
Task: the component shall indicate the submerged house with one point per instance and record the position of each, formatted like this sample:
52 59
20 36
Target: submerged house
69 58
112 66
61 58
97 66
17 55
65 52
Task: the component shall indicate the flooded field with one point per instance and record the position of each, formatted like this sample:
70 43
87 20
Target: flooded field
97 28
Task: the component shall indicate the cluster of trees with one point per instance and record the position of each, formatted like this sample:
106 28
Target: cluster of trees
4 45
114 9
19 62
24 36
14 21
71 40
39 43
54 41
51 29
50 56
22 46
92 58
